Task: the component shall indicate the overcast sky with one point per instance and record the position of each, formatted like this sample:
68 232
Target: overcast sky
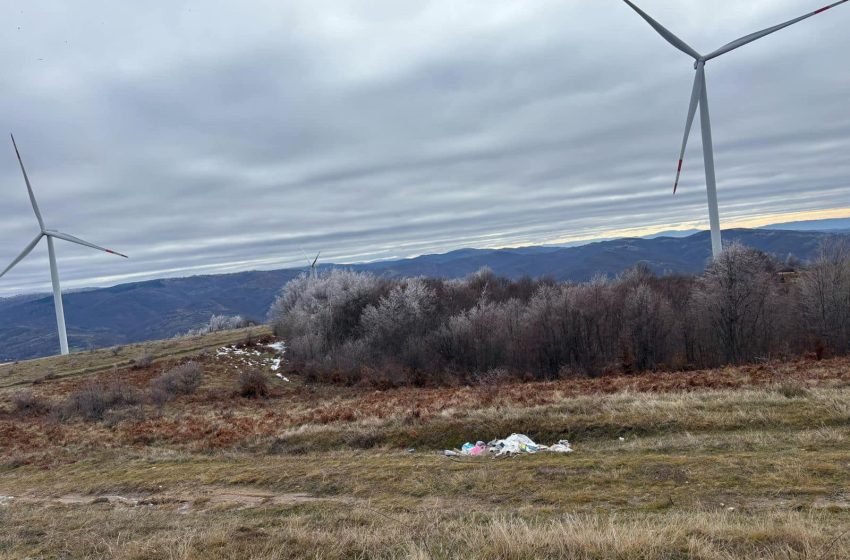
209 136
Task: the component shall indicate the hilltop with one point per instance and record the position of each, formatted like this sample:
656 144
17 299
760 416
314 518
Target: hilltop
738 462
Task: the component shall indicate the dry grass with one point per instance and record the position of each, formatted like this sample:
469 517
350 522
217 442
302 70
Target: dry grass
747 462
316 531
84 363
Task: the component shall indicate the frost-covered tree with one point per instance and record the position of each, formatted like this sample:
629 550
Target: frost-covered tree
220 323
405 312
317 314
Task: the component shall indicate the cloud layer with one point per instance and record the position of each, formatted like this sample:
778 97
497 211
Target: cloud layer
204 137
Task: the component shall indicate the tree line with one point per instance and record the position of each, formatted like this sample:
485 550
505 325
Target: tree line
353 327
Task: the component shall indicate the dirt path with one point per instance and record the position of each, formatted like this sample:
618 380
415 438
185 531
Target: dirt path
239 497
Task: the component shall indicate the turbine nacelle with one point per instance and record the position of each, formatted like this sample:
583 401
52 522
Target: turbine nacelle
699 100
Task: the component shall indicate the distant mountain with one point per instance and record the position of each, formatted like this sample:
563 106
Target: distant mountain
672 233
163 308
133 312
831 225
663 255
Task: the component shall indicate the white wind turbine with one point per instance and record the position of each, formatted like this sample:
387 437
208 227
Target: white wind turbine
699 97
50 234
313 271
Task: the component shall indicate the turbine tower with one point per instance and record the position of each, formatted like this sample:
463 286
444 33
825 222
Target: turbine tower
50 234
699 98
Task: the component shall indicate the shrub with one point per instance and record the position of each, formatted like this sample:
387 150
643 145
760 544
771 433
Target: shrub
180 380
144 361
25 403
120 393
93 400
252 384
88 403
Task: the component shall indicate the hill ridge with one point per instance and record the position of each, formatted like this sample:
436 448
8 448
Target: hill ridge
163 308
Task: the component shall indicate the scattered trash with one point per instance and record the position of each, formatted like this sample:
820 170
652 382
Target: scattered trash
622 438
469 449
281 376
514 444
563 446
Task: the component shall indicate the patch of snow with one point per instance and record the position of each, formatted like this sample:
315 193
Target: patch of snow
281 376
256 357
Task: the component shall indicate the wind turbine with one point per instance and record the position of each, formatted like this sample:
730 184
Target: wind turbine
313 271
50 234
699 97
311 262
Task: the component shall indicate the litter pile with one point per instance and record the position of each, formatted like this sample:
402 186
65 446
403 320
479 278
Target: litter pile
515 444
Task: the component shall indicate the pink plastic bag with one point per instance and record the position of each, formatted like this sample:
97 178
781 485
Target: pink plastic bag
479 449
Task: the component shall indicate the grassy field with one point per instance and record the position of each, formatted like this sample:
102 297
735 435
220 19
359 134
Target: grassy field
23 373
749 462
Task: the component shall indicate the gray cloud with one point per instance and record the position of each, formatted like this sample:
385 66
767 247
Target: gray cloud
204 137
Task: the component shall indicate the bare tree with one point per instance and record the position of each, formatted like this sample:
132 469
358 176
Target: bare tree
647 322
735 299
825 295
347 326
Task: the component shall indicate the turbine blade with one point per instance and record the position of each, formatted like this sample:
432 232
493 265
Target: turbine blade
303 252
672 39
78 241
316 259
23 254
692 111
764 32
29 187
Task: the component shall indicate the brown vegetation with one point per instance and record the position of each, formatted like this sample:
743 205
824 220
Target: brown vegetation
253 384
738 462
179 380
741 461
354 328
